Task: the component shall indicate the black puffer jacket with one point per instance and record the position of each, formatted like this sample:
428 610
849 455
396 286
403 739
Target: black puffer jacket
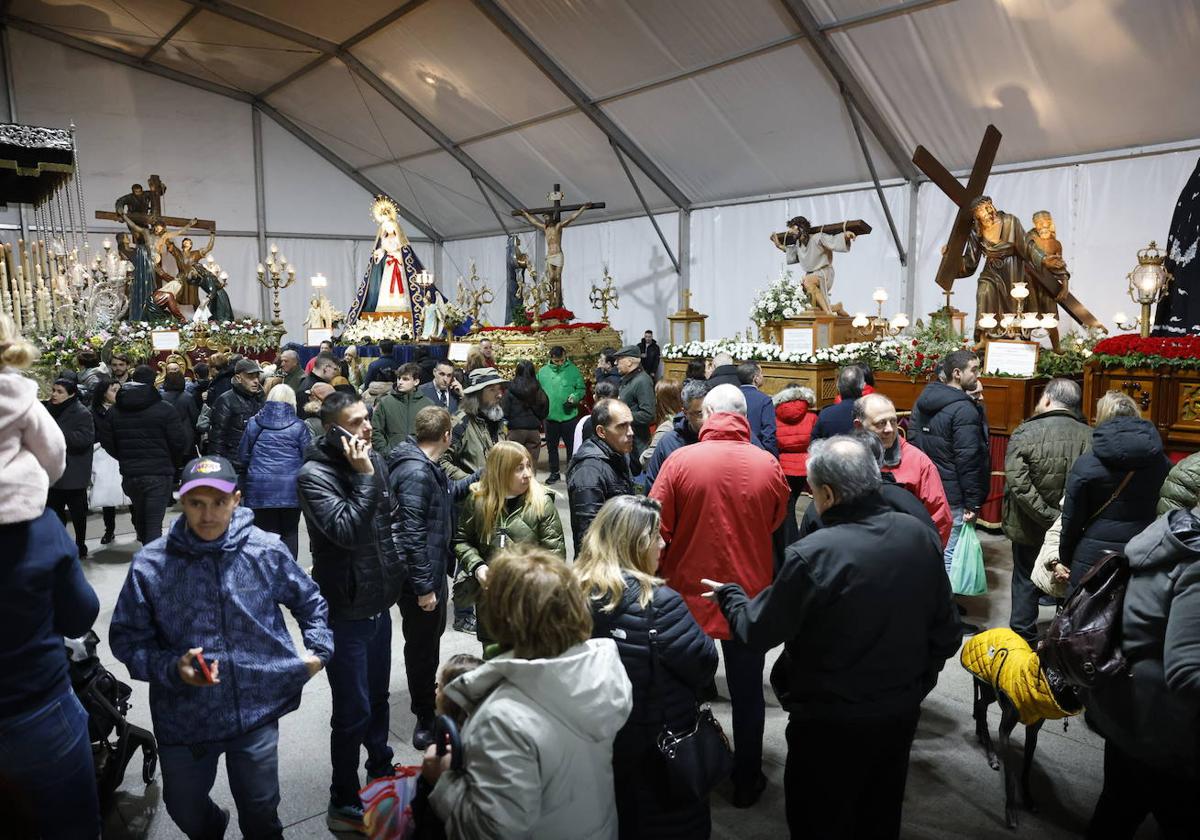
230 415
597 473
143 433
79 431
1152 715
687 656
949 428
349 518
189 411
525 405
425 507
220 385
1119 446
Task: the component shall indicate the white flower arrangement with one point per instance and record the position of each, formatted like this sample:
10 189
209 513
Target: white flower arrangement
394 329
783 299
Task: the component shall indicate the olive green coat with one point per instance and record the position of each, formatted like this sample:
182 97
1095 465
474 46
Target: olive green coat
1182 487
1040 454
473 549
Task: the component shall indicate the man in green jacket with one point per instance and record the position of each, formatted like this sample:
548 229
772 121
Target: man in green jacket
637 392
1182 487
478 425
564 386
395 414
1040 455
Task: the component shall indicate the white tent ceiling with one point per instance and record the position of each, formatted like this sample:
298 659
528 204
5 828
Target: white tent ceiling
710 100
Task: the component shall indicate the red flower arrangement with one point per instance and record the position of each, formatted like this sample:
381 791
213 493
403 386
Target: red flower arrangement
558 313
1135 351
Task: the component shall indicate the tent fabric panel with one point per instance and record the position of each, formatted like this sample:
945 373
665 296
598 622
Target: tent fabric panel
235 53
459 70
769 125
132 26
1055 78
438 186
568 150
342 108
332 21
652 40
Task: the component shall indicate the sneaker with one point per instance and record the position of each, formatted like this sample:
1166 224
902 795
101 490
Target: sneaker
466 624
746 796
422 734
553 478
345 818
108 537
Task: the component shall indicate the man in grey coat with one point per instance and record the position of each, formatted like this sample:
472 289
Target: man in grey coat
637 392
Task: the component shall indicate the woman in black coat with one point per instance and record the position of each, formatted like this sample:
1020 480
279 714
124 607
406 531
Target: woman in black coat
174 391
1102 510
70 491
525 406
616 569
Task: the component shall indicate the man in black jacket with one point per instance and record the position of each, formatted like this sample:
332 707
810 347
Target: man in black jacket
651 354
147 438
233 410
864 639
425 502
724 372
950 430
838 419
325 368
600 468
347 505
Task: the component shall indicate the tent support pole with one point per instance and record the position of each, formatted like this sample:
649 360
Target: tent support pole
862 144
649 215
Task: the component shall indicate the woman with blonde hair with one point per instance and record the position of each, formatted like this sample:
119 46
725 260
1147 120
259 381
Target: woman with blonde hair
537 745
616 568
272 448
1112 489
353 366
506 507
475 360
33 452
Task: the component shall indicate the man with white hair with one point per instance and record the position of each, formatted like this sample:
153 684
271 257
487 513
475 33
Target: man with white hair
724 372
721 501
864 639
290 370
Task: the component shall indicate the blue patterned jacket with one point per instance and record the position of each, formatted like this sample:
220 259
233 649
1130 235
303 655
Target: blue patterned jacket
223 596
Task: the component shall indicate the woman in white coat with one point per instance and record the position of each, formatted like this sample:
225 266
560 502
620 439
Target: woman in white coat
106 494
537 745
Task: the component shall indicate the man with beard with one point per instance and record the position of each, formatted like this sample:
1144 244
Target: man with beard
478 426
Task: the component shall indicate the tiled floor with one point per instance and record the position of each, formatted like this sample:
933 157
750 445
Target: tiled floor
951 791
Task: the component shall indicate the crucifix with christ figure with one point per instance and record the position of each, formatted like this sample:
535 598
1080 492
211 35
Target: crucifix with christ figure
982 233
552 223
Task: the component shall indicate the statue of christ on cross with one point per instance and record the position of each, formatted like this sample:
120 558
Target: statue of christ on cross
552 223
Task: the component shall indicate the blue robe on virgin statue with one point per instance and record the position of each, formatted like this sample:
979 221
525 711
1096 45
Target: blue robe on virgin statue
386 279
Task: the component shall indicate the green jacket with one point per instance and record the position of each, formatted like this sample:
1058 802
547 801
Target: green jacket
294 379
1182 487
1040 454
561 384
394 417
471 438
473 549
637 392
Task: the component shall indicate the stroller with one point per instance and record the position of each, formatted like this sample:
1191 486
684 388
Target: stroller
106 700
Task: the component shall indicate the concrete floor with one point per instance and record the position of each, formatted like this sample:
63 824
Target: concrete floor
951 791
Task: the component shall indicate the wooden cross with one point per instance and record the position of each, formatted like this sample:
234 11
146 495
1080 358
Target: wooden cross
856 226
964 220
156 189
555 210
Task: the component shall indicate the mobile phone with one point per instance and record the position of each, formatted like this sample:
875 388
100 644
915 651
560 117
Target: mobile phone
342 432
204 669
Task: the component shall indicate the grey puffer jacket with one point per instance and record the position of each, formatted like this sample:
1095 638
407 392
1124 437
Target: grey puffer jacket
1152 714
1182 487
537 747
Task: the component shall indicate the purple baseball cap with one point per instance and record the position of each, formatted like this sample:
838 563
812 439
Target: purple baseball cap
209 471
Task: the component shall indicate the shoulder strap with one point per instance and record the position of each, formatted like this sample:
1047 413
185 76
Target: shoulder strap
1124 483
655 662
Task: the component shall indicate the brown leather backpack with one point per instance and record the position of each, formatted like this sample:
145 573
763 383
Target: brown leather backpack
1083 643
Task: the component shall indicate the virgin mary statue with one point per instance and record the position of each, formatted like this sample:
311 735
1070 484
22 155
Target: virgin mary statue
389 288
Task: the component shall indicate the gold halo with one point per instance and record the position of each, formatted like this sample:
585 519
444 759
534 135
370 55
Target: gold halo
384 208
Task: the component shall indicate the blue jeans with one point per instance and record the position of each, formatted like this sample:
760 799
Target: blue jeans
359 673
46 761
955 529
744 673
252 762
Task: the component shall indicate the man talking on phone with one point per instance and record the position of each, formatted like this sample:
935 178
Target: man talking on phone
347 505
199 619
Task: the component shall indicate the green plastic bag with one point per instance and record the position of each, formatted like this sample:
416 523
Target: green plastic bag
967 575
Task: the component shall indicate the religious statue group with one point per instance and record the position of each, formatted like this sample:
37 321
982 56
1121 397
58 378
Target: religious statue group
155 294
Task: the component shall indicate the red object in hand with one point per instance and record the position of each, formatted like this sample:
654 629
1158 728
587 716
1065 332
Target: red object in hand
204 669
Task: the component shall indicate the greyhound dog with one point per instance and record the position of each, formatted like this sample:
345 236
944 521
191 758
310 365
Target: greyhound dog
1007 671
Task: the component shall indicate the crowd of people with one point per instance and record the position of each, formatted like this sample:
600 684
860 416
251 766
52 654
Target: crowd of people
417 483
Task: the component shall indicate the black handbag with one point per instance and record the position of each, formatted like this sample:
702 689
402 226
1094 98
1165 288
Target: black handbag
696 759
1083 643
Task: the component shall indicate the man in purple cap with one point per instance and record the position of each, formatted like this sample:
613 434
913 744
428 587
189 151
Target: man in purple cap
199 619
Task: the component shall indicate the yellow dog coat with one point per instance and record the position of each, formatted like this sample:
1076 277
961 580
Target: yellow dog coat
1005 661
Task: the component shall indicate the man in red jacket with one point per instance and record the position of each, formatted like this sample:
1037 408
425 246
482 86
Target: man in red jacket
721 500
911 467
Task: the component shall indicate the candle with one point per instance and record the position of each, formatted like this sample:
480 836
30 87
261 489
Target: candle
1121 319
988 321
860 320
900 321
880 295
